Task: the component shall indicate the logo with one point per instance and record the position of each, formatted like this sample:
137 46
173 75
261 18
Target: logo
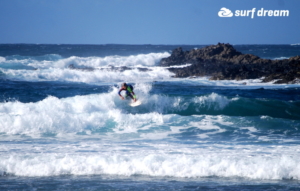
224 12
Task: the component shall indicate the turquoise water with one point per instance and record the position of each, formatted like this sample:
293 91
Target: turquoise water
67 129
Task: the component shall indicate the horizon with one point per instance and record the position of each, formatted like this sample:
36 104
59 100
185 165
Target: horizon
293 44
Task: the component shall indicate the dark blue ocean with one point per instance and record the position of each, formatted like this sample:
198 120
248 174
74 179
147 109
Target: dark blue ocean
64 127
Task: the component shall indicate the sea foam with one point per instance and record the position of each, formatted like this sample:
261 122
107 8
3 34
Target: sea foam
58 69
161 160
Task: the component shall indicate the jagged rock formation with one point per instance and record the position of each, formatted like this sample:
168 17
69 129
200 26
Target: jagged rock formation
222 62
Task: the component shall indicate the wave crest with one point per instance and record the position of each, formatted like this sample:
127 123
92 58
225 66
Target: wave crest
220 163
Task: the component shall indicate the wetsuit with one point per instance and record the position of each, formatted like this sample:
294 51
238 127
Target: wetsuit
129 91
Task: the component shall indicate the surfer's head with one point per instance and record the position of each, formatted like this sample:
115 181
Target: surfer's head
124 85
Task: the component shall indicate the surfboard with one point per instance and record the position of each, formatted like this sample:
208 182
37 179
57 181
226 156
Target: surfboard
134 104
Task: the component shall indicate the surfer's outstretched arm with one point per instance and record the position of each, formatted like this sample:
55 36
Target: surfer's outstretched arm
120 93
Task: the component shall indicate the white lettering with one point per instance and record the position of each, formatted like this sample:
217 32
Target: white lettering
284 13
276 13
237 13
243 13
270 13
224 12
260 12
253 11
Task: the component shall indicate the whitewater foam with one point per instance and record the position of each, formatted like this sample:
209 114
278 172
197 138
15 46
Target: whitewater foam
156 160
76 114
240 84
281 58
91 114
56 61
2 59
106 112
55 68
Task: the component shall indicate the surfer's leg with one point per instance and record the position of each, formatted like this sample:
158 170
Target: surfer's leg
128 94
131 96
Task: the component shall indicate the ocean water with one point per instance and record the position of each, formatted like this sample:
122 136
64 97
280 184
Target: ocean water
64 127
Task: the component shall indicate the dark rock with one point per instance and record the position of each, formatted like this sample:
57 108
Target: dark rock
110 68
222 62
84 68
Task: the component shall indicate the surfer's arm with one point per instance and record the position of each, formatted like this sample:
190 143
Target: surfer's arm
120 93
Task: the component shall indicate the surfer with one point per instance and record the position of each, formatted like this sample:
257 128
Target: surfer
129 91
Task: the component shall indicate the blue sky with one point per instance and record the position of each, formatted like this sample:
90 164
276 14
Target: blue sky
146 22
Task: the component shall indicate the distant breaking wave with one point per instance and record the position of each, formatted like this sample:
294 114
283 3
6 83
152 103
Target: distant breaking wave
56 68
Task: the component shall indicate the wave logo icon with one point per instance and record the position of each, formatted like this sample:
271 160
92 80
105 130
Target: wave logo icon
224 12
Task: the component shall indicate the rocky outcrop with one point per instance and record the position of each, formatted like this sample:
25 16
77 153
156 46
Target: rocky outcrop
223 62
